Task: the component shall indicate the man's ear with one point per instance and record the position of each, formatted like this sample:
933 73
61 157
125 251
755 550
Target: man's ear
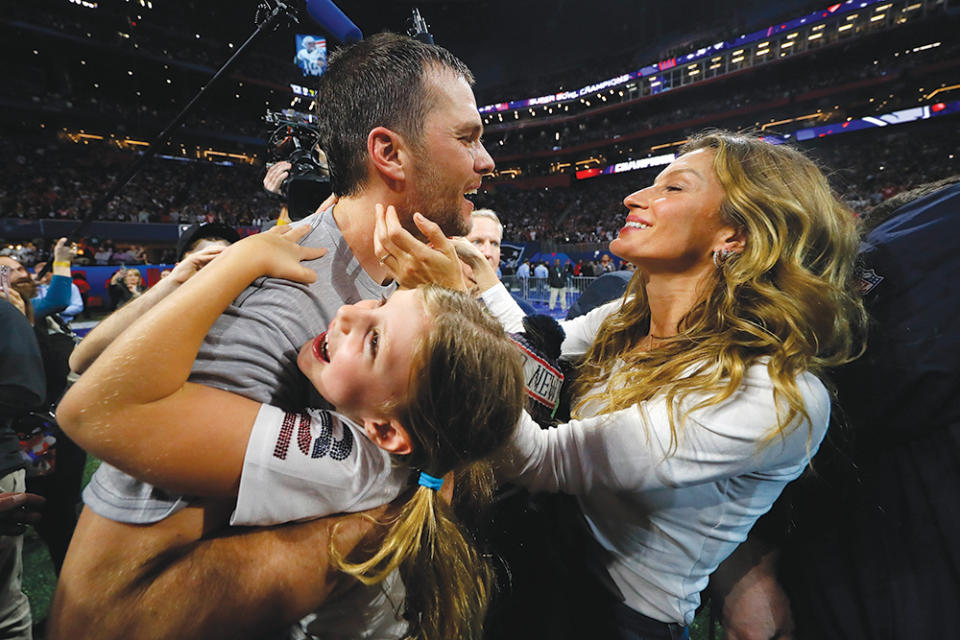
389 435
387 153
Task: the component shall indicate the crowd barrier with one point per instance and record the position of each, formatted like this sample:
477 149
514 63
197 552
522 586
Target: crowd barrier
537 290
533 290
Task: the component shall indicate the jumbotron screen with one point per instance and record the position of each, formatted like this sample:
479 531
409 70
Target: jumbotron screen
311 54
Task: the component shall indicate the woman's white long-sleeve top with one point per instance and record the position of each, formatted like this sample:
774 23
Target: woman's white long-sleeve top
668 518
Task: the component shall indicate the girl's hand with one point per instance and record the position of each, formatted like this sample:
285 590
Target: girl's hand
331 200
278 253
194 262
410 261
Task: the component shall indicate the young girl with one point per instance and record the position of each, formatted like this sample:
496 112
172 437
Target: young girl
424 379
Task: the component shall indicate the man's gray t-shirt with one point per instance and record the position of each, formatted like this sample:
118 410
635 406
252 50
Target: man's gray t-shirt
252 350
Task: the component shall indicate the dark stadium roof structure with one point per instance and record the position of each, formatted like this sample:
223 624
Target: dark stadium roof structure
505 41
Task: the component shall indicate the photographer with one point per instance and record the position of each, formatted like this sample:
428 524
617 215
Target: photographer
297 171
57 296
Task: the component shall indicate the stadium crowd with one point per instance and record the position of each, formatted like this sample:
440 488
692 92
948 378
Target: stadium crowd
59 176
864 169
57 179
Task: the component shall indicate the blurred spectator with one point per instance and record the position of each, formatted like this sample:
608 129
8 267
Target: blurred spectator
523 271
76 304
80 282
104 254
124 286
486 234
557 280
57 295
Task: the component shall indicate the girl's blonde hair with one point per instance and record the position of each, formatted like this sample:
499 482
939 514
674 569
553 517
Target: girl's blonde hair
787 297
466 394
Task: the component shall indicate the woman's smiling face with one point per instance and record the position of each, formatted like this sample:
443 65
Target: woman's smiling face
674 225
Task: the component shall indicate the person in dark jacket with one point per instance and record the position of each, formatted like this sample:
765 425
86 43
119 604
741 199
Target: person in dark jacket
22 387
870 549
557 279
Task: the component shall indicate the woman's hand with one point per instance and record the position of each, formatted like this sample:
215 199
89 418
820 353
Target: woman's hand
412 262
481 273
278 253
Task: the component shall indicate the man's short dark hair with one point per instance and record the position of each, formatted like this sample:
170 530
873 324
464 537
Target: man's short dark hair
211 231
377 82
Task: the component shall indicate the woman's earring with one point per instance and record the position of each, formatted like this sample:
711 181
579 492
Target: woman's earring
720 257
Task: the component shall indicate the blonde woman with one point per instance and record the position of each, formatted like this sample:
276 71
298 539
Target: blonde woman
124 286
700 392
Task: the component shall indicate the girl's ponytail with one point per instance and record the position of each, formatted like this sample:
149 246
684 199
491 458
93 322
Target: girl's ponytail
447 582
465 397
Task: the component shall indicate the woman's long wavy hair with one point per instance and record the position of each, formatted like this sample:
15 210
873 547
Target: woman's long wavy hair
788 297
466 394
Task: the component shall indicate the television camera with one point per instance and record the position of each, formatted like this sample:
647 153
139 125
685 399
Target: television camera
295 138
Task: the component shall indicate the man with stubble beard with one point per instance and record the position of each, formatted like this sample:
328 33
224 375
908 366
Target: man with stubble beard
400 127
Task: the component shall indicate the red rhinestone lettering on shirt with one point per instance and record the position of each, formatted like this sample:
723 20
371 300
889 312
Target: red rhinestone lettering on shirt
283 439
303 434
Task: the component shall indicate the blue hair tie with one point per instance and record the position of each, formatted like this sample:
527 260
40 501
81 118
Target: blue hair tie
429 481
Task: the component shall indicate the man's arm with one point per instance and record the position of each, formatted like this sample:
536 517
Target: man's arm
63 255
55 299
107 330
175 579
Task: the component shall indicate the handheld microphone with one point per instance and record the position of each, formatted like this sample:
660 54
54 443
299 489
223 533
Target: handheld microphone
331 18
